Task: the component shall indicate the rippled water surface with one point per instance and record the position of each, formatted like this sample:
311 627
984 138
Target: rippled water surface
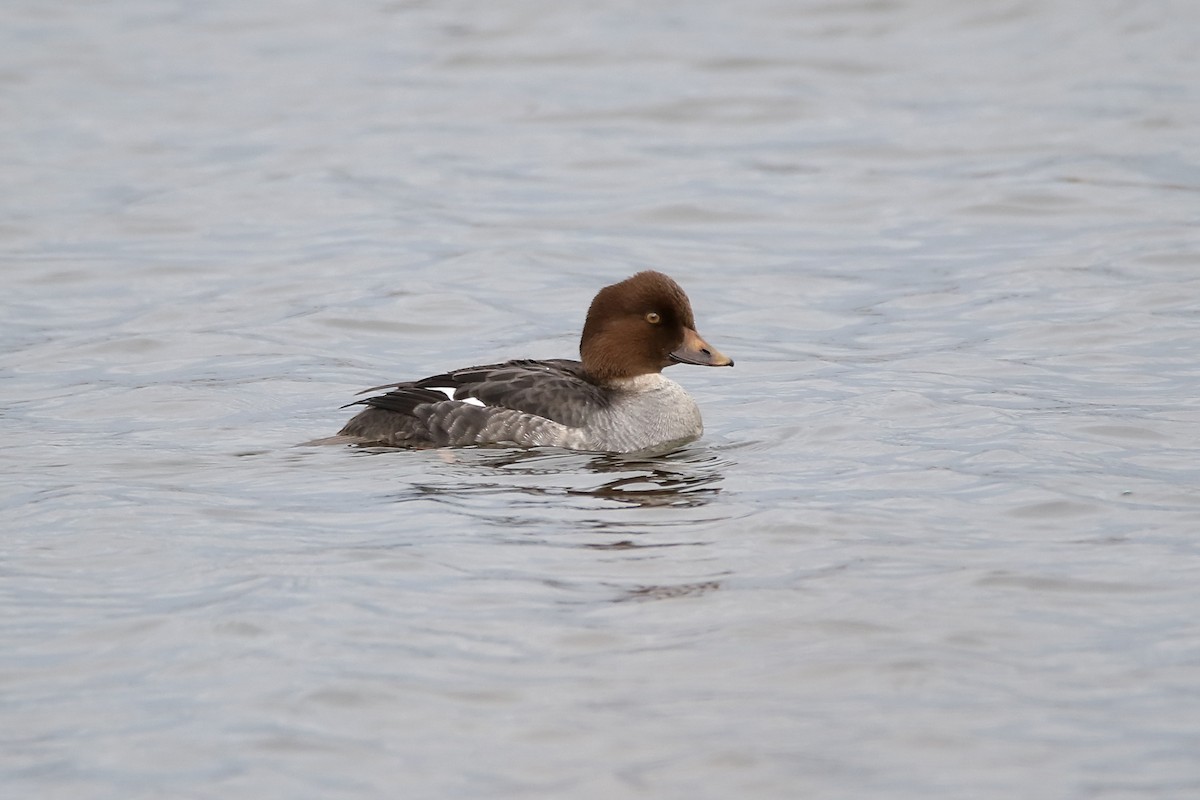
938 541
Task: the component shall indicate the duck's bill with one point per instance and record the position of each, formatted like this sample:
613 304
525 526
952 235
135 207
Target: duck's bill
695 350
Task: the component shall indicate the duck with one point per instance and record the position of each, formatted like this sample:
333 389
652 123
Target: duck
614 399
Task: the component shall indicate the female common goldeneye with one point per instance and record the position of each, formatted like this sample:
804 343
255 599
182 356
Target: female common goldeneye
615 400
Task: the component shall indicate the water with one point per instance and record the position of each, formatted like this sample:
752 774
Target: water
939 540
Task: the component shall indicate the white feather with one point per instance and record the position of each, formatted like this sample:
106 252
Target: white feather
449 392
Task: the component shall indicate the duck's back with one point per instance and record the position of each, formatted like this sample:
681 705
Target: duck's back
524 403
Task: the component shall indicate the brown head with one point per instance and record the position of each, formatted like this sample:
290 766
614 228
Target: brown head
639 326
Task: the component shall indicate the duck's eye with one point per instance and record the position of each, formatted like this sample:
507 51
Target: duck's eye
653 318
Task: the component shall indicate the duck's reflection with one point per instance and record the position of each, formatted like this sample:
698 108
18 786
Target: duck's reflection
628 507
533 487
657 592
682 479
655 483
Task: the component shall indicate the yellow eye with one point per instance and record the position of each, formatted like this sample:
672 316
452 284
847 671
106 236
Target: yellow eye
653 318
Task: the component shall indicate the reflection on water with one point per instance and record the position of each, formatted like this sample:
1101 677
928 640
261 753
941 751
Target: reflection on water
686 479
644 593
551 500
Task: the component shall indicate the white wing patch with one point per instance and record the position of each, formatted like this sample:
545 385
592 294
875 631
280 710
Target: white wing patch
449 392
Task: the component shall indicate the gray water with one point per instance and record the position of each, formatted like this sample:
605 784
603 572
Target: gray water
938 541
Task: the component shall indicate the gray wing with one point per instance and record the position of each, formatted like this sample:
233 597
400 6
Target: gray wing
423 413
556 390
